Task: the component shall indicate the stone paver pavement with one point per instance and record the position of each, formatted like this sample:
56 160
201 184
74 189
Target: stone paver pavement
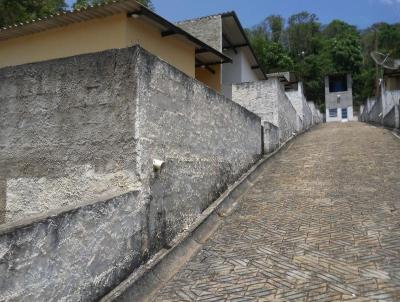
322 223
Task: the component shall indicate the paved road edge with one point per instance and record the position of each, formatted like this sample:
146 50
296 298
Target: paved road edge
145 281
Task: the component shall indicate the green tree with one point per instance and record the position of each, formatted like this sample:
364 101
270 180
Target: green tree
276 27
16 11
345 53
381 37
389 39
311 50
302 31
272 55
338 28
83 3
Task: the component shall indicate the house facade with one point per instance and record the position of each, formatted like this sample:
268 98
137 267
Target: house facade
338 98
225 33
114 25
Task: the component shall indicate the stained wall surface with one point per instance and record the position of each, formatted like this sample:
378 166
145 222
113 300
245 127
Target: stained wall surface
67 132
71 126
206 140
299 102
268 100
76 255
207 29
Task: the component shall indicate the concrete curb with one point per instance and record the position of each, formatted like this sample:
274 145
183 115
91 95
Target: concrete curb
396 133
147 279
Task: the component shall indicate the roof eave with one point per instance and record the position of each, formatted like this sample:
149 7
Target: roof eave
103 10
177 30
234 15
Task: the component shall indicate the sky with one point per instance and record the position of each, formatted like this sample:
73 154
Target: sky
361 13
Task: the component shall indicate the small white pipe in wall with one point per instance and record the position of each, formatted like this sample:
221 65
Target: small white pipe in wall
158 165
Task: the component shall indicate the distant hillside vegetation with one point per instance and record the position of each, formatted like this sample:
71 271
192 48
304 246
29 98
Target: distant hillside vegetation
311 49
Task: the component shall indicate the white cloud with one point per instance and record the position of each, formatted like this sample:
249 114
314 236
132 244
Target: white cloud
390 2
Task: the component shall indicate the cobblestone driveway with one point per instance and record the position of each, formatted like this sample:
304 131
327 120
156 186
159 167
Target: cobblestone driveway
322 223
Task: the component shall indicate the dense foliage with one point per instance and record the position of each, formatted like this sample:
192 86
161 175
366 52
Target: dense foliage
83 3
312 50
17 11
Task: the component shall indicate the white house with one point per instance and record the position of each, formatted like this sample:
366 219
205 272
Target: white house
339 98
225 33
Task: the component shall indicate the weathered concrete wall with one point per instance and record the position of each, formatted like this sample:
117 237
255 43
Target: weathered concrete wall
67 131
128 109
390 99
390 119
383 110
390 104
206 140
362 111
288 120
208 30
76 255
271 137
268 100
375 115
3 198
364 114
317 116
297 103
301 106
259 97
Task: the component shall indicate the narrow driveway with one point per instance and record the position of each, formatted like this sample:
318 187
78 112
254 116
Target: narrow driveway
322 223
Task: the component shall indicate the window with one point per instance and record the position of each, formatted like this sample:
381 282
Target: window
333 112
338 83
344 113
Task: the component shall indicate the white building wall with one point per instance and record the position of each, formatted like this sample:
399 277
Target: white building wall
247 74
339 117
339 100
239 71
232 72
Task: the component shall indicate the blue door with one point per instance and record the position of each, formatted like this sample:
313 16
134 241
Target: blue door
344 113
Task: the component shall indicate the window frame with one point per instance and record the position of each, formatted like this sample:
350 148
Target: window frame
333 112
338 83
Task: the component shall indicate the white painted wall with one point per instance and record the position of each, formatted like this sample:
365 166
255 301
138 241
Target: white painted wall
232 72
339 118
239 71
339 100
247 74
